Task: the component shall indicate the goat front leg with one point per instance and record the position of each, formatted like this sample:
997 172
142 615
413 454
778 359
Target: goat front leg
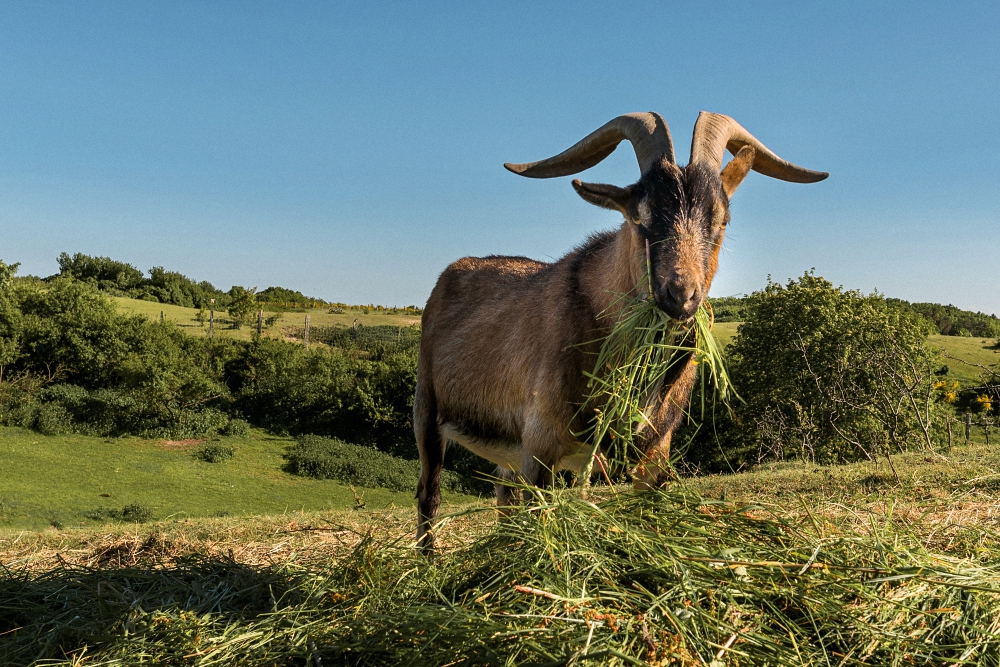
506 496
654 469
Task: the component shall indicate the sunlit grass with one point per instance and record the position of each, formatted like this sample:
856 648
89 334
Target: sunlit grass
58 480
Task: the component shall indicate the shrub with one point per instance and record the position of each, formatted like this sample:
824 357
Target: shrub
330 458
132 513
199 422
827 375
236 427
365 398
216 453
53 419
242 305
379 337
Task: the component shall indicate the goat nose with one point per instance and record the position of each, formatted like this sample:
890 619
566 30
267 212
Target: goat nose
681 294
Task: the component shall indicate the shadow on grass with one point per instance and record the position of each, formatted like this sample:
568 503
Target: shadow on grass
63 612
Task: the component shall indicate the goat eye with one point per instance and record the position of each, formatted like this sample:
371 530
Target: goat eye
720 215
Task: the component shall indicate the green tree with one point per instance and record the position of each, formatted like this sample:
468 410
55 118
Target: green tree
242 305
103 272
10 319
827 375
830 374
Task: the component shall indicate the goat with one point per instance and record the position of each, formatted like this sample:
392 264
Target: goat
506 340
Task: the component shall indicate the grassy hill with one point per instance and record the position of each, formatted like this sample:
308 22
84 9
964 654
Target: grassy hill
186 318
59 480
969 355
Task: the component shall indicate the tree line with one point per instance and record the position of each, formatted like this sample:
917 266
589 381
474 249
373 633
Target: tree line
822 374
122 279
938 319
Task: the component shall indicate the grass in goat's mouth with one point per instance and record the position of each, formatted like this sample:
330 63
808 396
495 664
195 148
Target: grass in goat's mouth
644 346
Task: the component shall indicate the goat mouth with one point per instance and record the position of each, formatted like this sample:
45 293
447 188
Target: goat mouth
681 315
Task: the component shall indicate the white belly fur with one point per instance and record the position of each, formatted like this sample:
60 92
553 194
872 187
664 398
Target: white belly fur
504 454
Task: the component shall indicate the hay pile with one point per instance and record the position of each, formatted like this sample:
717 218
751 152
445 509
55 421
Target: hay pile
656 578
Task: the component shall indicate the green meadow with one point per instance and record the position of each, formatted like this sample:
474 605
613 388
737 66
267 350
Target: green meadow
187 318
56 481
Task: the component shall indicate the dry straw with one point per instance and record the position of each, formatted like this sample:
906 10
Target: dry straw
656 578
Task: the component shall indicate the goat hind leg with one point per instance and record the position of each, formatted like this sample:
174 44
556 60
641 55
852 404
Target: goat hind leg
431 446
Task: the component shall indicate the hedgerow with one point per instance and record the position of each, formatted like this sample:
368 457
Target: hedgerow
330 458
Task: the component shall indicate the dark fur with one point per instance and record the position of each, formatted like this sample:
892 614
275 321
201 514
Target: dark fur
506 340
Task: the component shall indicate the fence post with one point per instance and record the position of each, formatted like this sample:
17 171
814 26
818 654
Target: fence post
260 320
986 429
949 433
968 426
211 322
305 336
161 317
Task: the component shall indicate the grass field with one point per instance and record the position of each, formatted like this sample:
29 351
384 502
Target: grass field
186 318
936 494
791 564
974 352
57 480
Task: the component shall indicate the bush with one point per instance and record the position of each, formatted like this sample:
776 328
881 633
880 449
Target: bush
827 375
53 419
379 337
365 398
216 453
330 458
132 513
194 423
236 427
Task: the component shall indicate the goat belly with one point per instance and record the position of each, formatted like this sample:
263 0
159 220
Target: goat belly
504 453
507 454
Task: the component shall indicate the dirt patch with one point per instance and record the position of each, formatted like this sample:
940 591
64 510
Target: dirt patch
189 443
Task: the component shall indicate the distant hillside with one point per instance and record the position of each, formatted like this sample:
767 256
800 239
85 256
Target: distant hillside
944 320
952 321
170 287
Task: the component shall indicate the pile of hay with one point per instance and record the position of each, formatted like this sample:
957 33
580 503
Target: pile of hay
656 578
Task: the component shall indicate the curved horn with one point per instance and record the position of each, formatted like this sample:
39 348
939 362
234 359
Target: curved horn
648 133
714 133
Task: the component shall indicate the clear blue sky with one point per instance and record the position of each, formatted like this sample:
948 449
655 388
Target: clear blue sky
351 151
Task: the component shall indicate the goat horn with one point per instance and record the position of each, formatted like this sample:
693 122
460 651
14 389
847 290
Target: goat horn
714 133
647 132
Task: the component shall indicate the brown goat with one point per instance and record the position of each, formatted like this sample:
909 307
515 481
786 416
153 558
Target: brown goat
506 340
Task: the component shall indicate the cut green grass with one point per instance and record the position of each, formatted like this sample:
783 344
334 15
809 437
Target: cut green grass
59 480
642 349
813 566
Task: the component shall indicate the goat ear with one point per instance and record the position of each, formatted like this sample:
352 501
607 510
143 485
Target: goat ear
605 196
737 169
